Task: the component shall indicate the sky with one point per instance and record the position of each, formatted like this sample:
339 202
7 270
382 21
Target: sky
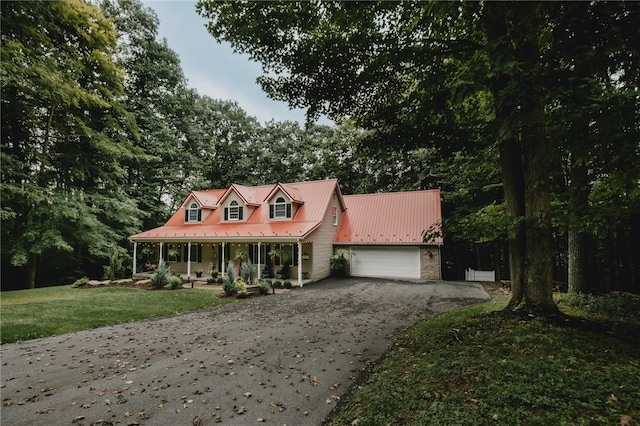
212 68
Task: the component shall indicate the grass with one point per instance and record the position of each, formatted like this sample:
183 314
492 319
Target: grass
476 367
467 367
50 311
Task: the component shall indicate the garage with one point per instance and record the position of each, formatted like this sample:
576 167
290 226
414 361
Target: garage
385 262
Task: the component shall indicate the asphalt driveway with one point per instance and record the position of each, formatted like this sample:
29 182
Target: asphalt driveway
278 359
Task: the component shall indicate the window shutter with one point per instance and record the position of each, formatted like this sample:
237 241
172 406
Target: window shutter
199 215
289 210
270 211
186 215
240 213
226 213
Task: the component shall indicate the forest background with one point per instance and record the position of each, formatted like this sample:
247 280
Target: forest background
102 138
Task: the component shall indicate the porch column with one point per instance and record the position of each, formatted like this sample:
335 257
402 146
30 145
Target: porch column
259 276
160 260
299 263
189 261
135 255
223 258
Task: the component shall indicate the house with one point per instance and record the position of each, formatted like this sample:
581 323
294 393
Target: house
293 229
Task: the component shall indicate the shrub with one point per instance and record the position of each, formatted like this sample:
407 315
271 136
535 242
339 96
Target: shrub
174 282
220 280
229 281
287 284
247 272
80 282
212 280
229 288
264 287
161 277
241 284
277 284
266 281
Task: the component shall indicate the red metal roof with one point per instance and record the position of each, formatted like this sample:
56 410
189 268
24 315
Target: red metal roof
314 195
397 218
207 198
289 189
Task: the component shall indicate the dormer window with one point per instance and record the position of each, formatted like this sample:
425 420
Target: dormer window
233 212
280 209
193 213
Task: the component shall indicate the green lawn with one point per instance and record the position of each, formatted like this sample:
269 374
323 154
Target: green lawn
28 314
475 367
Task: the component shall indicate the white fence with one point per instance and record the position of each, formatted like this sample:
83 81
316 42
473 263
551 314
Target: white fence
473 275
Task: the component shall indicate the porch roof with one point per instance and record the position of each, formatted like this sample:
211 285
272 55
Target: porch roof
279 231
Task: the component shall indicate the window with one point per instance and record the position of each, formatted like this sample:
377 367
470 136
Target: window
253 253
280 209
196 252
233 212
193 213
335 216
287 254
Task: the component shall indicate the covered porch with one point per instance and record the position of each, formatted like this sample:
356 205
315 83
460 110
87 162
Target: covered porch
201 260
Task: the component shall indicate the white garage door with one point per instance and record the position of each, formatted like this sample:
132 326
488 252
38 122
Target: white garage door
385 262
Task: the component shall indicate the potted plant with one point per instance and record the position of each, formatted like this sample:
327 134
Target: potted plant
240 255
339 263
172 253
198 273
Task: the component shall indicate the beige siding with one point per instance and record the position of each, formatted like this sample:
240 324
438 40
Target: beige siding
430 263
322 239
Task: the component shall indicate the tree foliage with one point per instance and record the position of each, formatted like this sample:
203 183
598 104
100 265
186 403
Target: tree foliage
457 77
65 135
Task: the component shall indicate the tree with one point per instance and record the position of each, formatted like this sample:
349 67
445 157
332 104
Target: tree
227 134
163 107
401 69
65 136
596 60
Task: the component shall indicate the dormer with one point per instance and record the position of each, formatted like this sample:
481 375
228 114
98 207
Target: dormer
193 213
197 206
284 201
237 203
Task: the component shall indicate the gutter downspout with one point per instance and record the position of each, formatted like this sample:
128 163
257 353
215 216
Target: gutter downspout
259 276
223 258
189 262
299 263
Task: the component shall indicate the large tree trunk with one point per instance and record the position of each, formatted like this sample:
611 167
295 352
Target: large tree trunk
506 106
538 294
513 183
32 265
578 238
